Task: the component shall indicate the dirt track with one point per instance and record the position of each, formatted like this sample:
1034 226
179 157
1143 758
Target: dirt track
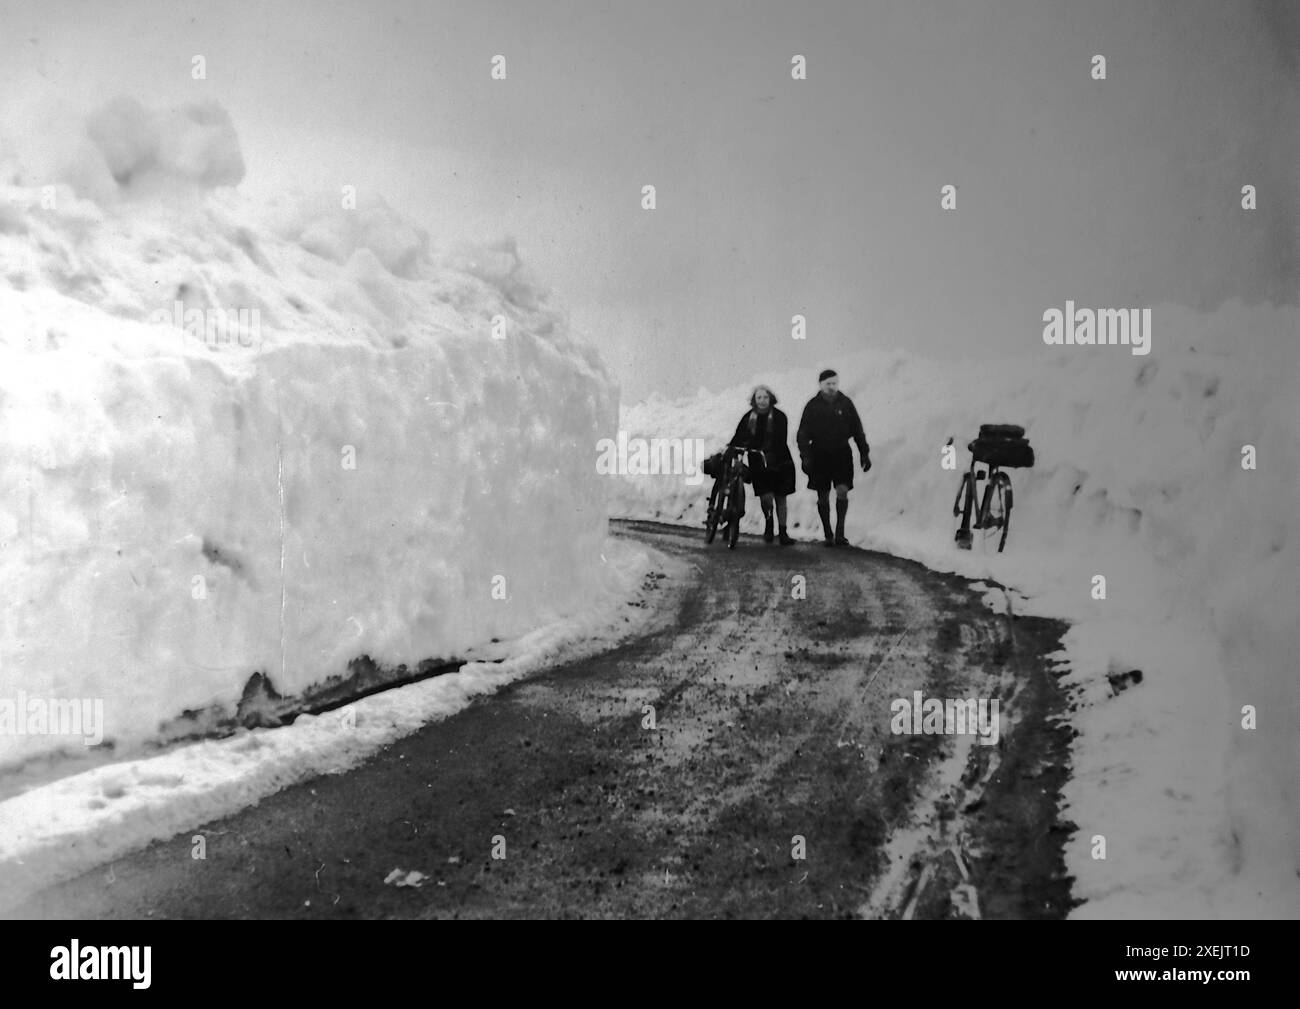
773 720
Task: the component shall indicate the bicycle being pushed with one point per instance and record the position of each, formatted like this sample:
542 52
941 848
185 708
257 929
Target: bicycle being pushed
727 500
999 446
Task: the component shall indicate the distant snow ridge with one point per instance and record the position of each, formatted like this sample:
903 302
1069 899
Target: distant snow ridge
377 474
1139 478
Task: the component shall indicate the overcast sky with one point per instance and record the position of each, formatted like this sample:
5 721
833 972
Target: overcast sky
775 196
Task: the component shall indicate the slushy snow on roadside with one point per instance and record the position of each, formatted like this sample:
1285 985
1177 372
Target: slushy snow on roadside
68 826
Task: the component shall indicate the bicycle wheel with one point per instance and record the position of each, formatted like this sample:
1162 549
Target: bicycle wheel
962 506
995 511
714 512
736 508
1006 509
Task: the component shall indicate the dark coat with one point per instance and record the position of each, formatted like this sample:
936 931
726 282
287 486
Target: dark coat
771 436
826 427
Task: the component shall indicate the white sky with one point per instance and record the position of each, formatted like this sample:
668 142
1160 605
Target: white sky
775 196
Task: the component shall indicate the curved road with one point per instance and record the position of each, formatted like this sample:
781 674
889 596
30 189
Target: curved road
769 786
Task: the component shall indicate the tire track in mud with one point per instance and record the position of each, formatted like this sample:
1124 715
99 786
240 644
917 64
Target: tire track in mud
772 720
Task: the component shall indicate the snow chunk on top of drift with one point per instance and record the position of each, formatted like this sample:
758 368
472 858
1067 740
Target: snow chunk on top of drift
195 143
324 229
186 499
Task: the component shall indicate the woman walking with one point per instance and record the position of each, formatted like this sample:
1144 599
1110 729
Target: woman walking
765 431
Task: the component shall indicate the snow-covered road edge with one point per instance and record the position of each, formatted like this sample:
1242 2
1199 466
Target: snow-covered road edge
1149 791
62 829
1148 769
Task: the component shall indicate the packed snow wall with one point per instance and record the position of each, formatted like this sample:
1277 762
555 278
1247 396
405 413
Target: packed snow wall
238 438
1176 476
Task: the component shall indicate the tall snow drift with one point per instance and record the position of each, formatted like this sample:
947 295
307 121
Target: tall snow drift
239 439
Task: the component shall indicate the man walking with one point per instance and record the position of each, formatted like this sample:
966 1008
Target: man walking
829 420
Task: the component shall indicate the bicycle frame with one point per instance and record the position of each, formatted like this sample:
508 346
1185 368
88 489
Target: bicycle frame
981 505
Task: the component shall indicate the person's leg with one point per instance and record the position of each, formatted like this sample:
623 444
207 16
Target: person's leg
765 499
780 520
824 512
841 509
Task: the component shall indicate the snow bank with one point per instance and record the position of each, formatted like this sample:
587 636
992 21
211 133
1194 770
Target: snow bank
1139 478
239 438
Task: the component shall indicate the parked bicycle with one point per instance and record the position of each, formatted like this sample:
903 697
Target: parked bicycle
998 446
727 500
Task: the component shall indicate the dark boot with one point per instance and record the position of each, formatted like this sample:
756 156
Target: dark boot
785 539
841 507
767 528
824 510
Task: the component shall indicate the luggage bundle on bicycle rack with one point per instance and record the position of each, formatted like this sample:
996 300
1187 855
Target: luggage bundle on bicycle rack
1002 445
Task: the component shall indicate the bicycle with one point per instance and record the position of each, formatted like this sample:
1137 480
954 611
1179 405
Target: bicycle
998 446
992 512
727 500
